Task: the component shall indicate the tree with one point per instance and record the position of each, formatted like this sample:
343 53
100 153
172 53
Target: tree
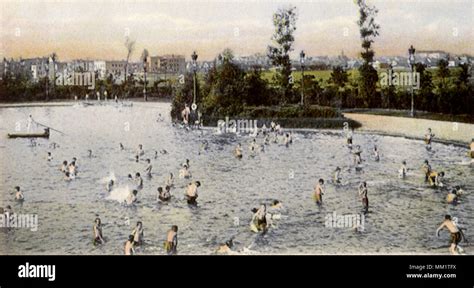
339 77
130 46
256 88
368 75
284 21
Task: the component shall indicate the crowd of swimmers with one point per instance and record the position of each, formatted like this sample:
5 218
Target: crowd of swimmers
261 218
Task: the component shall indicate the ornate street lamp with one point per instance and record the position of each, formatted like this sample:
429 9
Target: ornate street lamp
302 56
411 59
194 57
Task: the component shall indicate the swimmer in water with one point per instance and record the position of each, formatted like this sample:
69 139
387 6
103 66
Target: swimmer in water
50 157
129 246
276 204
98 239
349 137
184 173
435 179
287 140
426 170
171 243
148 168
138 181
428 138
131 198
238 151
67 176
192 192
452 197
64 168
137 158
110 185
356 153
164 195
337 178
137 234
259 219
89 153
376 154
472 149
186 163
170 180
225 248
121 146
72 169
402 172
140 151
156 154
18 194
456 236
319 192
363 195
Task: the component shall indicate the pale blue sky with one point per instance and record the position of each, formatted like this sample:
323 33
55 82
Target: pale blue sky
96 29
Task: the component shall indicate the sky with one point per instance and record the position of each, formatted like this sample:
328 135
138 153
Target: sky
97 29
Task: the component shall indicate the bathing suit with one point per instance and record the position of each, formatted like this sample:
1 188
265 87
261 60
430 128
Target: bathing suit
456 238
191 200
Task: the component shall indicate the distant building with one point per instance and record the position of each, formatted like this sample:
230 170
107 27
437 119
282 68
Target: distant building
100 68
116 69
170 64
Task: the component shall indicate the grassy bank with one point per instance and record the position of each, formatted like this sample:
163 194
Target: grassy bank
462 118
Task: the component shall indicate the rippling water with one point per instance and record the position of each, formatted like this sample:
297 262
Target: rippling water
403 213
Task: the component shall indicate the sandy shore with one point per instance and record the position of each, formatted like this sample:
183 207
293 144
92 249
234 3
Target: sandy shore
447 132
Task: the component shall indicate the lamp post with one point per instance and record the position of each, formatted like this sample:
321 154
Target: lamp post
194 57
411 58
144 73
302 56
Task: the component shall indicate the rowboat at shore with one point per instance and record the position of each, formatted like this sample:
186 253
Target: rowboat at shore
44 134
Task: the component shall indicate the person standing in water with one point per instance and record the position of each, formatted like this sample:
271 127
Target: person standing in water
164 195
64 167
137 234
238 151
402 172
171 243
131 198
337 178
428 138
170 180
18 194
148 168
138 181
30 123
98 239
129 246
363 196
192 192
456 236
319 192
50 157
259 219
376 154
110 185
356 153
184 173
472 149
435 179
426 169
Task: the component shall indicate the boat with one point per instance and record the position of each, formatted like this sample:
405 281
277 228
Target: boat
44 134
